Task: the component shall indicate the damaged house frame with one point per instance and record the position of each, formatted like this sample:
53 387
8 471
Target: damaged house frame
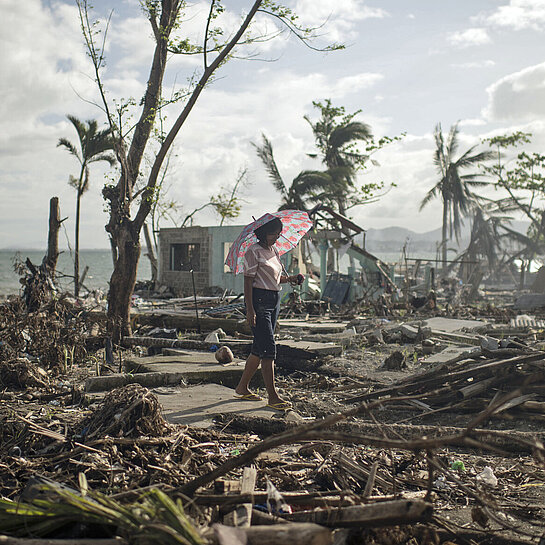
200 251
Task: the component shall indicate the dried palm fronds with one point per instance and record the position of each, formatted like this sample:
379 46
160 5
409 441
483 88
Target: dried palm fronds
153 518
129 411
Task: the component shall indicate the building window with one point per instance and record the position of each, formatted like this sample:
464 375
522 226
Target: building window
185 257
226 248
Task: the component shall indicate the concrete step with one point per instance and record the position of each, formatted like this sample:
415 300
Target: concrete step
167 370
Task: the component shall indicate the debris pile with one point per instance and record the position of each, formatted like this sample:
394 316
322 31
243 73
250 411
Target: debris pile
411 432
53 335
130 411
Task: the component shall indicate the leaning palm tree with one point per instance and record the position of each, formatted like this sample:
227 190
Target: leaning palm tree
337 141
453 188
93 147
309 186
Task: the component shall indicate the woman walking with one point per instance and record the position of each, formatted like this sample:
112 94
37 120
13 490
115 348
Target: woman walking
263 274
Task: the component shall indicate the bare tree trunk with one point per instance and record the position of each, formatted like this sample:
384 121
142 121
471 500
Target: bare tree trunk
50 259
444 241
151 254
39 283
122 281
123 231
76 246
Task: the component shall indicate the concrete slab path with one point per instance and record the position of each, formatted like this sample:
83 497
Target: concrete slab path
452 354
452 325
197 405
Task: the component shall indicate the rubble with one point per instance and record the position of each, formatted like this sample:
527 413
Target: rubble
386 442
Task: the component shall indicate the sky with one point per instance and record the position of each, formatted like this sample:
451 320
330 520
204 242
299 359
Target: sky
407 65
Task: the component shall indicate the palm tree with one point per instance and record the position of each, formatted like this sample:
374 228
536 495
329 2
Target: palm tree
309 186
489 217
453 187
337 140
93 147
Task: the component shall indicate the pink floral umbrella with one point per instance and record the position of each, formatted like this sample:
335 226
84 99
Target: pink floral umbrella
295 224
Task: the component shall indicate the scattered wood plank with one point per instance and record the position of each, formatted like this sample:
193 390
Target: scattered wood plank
292 534
370 480
241 516
378 514
359 472
448 375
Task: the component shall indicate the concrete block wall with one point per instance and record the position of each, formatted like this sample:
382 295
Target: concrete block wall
180 281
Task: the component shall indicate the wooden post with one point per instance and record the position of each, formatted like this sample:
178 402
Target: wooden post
242 515
370 480
83 275
50 259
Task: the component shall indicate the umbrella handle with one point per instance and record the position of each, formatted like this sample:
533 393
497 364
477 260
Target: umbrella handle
284 269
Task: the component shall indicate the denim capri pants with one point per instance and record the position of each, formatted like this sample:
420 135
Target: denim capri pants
266 306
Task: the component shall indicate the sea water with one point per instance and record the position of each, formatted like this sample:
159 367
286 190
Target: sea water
101 267
99 273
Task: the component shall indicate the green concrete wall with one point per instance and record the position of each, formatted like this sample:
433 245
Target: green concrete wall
219 236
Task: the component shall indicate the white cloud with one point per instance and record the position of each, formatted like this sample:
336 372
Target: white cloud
340 18
469 37
355 83
44 73
134 40
475 64
225 123
44 62
518 14
519 96
409 164
474 122
44 68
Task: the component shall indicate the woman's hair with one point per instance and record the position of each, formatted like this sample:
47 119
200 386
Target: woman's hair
270 227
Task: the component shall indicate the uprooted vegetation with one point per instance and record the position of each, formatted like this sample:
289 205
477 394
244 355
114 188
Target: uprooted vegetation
52 336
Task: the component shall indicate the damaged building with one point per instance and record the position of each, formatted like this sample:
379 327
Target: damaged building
337 268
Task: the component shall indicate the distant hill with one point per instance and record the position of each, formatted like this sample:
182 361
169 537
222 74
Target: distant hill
392 239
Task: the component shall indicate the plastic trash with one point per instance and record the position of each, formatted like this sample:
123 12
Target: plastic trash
212 338
275 501
486 476
489 343
441 483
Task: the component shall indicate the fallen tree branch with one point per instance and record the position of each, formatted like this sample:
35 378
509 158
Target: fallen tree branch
319 431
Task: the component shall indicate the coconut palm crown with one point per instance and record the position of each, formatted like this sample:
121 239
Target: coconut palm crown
453 187
337 136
